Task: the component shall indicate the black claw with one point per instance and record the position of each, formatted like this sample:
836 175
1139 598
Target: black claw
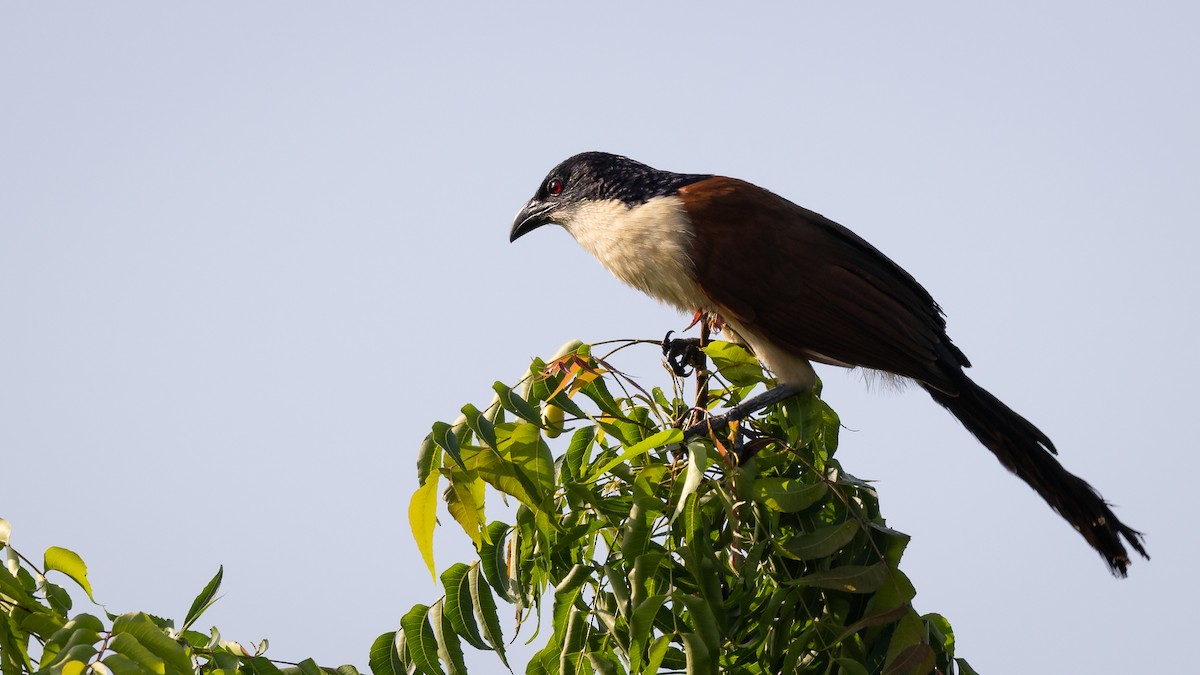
682 353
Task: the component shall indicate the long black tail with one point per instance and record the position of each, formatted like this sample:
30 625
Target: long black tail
1027 452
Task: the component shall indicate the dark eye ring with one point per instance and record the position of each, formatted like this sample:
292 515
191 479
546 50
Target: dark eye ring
554 186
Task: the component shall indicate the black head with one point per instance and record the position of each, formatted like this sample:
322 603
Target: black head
595 176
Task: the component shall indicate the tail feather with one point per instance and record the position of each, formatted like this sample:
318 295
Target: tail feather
1027 452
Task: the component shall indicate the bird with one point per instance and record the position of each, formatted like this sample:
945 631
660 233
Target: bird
796 288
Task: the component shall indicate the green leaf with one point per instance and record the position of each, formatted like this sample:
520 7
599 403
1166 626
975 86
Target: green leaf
205 600
128 646
464 501
849 578
567 592
485 609
641 626
579 450
658 650
14 653
429 457
480 425
875 617
699 660
544 662
58 598
422 645
140 627
907 651
598 392
697 465
521 466
88 622
571 654
735 363
261 665
604 663
458 598
198 640
26 579
11 586
641 579
492 559
42 623
964 668
822 542
229 657
618 585
449 649
422 518
787 495
72 661
72 641
530 458
705 622
512 402
635 534
658 440
444 437
383 659
938 626
119 664
397 655
897 591
309 667
892 542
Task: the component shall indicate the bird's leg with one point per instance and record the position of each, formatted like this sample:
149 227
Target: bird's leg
702 372
743 410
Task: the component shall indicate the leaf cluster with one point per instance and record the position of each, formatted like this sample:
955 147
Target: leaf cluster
747 551
40 632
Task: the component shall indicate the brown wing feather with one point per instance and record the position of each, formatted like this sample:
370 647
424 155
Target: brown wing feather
814 287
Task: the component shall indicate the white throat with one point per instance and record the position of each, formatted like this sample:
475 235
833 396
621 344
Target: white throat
646 246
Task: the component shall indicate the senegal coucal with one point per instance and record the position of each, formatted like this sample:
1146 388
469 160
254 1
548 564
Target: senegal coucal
797 287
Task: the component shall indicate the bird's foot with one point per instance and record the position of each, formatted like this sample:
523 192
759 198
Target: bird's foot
682 353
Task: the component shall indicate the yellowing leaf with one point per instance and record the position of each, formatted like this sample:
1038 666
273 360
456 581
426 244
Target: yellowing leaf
464 499
422 518
70 564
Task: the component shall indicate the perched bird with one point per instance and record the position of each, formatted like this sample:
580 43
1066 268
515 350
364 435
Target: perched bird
797 287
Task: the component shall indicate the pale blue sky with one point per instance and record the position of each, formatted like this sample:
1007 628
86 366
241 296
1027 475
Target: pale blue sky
249 252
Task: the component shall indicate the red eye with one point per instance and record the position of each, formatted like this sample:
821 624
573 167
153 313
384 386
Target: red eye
554 187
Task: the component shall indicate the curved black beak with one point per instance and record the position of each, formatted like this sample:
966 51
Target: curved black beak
534 215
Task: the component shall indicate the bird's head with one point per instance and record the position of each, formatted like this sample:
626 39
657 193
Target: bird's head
592 179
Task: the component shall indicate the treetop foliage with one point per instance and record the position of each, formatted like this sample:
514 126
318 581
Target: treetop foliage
656 553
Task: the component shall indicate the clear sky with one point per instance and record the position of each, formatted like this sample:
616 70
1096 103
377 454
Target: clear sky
249 252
